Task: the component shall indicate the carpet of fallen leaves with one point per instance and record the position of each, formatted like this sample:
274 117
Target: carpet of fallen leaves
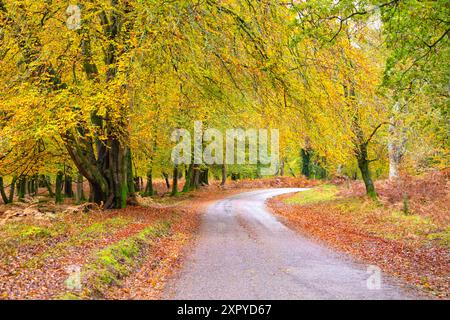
372 234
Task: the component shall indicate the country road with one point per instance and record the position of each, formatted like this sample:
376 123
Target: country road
244 252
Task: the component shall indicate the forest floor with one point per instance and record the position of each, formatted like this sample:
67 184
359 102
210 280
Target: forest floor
61 252
406 233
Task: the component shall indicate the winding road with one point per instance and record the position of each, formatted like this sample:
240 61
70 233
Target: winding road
244 252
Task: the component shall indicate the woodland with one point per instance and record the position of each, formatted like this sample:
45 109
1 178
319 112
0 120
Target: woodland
356 88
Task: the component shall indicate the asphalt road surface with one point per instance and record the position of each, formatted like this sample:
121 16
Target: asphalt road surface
244 252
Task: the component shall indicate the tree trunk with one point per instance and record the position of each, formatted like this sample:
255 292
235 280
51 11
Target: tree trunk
68 191
306 162
396 142
80 192
188 178
363 165
12 187
30 185
59 187
21 188
118 181
130 179
149 191
137 184
2 192
204 177
106 172
175 181
195 177
166 178
282 167
224 174
36 184
394 162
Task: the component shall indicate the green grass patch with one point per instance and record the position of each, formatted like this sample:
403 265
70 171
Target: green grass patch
113 263
25 231
84 235
319 194
443 237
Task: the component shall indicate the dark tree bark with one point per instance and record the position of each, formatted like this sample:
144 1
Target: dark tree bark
175 181
137 184
306 162
195 177
166 179
188 178
149 191
59 187
21 187
204 177
33 185
68 191
224 174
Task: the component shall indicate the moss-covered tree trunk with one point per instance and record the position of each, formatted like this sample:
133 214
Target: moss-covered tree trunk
361 153
363 165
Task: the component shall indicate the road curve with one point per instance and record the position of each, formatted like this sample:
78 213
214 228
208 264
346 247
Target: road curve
244 252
